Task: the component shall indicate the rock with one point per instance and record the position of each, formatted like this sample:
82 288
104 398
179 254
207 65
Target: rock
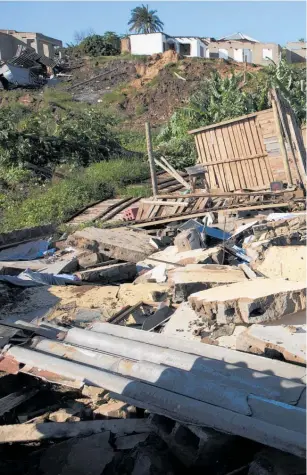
67 414
93 392
130 441
87 259
292 266
287 338
252 301
78 456
195 277
117 409
121 272
187 240
123 244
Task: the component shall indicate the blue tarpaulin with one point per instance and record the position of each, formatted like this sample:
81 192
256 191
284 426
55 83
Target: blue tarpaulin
26 252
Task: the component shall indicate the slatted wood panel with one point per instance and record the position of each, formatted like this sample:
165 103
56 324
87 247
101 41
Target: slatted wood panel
149 211
242 153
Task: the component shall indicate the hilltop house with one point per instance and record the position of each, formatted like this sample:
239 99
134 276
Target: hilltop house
236 47
41 44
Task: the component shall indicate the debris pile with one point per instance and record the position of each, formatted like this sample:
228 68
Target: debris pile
172 338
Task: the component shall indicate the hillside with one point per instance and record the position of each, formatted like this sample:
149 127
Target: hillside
137 89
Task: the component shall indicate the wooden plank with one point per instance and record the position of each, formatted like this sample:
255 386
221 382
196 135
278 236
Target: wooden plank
260 149
217 177
175 175
227 122
217 159
249 144
246 148
252 145
240 173
224 155
214 154
207 157
184 216
231 154
243 153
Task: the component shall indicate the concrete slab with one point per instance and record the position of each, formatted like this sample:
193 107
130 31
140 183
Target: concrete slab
286 262
252 301
195 256
196 277
288 337
122 244
182 323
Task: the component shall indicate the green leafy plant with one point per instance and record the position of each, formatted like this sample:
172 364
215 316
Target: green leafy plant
144 20
101 45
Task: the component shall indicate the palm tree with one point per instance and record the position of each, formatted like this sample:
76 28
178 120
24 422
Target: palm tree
144 20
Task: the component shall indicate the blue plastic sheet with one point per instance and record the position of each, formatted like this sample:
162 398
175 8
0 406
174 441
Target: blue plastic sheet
28 278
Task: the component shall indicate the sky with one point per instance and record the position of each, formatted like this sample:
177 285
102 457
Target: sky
270 21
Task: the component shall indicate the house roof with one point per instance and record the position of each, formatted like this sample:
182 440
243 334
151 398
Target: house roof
238 36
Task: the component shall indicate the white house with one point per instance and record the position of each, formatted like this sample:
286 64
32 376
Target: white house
152 43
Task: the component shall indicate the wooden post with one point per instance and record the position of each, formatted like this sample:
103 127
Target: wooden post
154 183
281 143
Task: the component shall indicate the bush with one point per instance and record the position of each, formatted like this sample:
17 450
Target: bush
97 45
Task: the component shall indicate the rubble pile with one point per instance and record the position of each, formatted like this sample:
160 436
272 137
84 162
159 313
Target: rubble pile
159 314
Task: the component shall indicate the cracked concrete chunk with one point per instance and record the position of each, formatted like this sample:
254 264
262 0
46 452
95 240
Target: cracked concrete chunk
123 244
253 301
195 277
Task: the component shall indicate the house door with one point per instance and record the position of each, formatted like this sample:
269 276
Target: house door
247 55
238 54
223 53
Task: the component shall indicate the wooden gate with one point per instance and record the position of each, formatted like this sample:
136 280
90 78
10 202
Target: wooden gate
234 153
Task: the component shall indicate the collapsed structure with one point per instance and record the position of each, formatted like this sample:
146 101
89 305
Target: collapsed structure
184 314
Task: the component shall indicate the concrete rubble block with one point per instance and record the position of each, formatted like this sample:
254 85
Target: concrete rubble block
170 255
291 266
287 338
130 441
113 409
192 445
123 244
195 277
252 301
187 240
87 259
111 273
78 456
93 393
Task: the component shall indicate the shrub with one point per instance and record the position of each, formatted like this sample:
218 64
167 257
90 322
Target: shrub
97 45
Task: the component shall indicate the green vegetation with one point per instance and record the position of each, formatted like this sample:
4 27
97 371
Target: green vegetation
221 98
54 203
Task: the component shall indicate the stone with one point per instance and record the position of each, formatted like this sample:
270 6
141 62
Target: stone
93 393
78 456
66 414
287 338
87 259
292 266
121 272
130 441
117 410
187 240
170 256
195 277
123 244
252 301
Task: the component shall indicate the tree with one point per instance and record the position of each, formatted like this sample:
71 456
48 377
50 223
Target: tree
112 38
302 40
144 20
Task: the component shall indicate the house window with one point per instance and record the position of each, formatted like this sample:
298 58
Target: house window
185 49
164 47
267 53
201 51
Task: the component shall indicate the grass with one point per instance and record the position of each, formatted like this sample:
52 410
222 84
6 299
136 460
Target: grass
54 203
